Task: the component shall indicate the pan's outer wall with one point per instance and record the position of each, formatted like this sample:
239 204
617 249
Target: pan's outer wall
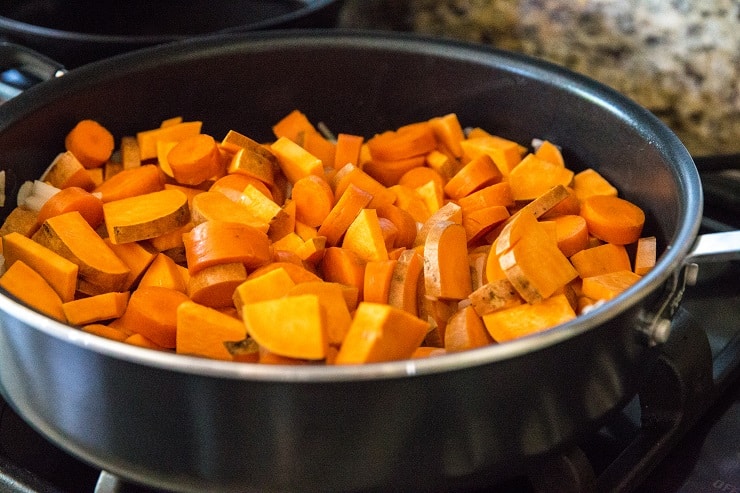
190 432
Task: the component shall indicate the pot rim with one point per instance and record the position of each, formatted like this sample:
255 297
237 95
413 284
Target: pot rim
308 8
654 131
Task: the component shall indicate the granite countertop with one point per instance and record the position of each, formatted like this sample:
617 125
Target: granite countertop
678 58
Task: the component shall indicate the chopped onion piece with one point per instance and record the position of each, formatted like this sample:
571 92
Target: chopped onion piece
36 194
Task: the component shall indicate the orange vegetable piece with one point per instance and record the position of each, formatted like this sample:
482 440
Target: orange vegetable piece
146 216
128 183
381 333
218 242
67 171
504 152
90 142
214 286
521 320
607 286
445 245
331 296
601 260
73 199
449 132
613 219
351 174
347 150
590 182
313 199
534 176
195 159
403 292
404 222
295 161
572 233
164 272
478 222
465 330
31 288
494 295
136 257
204 332
142 341
478 173
214 206
344 212
96 308
105 331
343 266
365 237
645 255
233 184
421 175
496 194
550 152
152 312
147 139
406 142
293 126
59 273
377 282
301 321
69 235
255 163
390 172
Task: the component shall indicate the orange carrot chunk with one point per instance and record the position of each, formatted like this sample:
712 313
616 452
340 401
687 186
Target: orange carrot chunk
613 219
90 142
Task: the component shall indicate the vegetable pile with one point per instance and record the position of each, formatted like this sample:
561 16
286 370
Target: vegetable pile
317 249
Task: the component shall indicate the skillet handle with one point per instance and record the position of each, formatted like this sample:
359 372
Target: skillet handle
22 68
710 247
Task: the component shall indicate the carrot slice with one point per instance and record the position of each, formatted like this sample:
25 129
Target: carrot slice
233 184
215 242
613 219
345 210
73 199
572 233
195 159
214 286
406 142
343 266
534 176
480 172
90 142
381 333
351 174
601 260
128 183
148 139
152 312
313 199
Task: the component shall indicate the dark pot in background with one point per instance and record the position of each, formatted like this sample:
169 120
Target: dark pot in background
75 33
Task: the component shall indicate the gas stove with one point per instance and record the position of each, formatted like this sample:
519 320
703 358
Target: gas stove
679 434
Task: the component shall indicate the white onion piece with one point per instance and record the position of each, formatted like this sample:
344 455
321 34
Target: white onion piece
36 196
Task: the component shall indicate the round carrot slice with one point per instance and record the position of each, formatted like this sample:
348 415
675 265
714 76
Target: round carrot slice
195 159
90 142
613 219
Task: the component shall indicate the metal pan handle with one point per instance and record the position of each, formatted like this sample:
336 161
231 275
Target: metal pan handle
22 68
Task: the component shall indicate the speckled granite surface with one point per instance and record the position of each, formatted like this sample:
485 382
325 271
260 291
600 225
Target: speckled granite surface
679 58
